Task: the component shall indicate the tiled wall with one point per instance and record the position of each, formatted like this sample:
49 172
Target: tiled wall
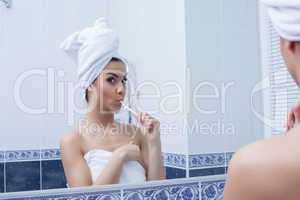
204 188
42 169
209 164
31 170
198 165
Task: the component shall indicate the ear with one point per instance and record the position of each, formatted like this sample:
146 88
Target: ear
288 50
90 88
291 47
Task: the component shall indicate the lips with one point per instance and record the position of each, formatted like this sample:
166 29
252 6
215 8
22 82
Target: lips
118 102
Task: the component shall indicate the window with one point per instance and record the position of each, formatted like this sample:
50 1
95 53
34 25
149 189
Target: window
283 91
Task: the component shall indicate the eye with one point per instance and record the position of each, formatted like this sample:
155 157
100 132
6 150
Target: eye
124 81
111 79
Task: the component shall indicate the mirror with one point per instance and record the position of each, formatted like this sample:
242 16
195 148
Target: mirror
193 65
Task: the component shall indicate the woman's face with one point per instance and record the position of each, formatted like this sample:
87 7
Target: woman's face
110 87
291 54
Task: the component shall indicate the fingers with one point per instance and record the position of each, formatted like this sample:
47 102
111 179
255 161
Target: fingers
147 121
297 113
149 126
287 125
135 114
132 142
141 117
133 145
290 120
135 153
293 116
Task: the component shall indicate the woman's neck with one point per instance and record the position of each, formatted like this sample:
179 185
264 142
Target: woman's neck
102 119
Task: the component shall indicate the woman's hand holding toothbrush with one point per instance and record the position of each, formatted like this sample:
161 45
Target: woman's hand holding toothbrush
151 129
150 126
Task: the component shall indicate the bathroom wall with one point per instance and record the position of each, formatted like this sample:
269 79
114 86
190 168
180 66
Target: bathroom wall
223 61
30 34
153 37
160 35
217 58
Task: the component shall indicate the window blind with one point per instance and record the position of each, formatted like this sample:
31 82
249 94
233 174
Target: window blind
283 92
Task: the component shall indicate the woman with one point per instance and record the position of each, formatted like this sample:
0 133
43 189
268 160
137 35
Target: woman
269 169
99 150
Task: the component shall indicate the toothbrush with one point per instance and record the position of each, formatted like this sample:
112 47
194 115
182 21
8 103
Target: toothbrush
129 109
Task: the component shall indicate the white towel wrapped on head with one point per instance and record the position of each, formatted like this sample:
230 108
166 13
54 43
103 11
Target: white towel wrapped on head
285 15
92 49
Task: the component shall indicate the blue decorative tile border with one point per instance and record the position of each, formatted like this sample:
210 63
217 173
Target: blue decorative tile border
29 155
175 160
22 155
212 190
101 195
200 188
50 154
110 195
207 160
176 191
171 160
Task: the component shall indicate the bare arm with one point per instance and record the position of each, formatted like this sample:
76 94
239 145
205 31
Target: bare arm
156 170
235 186
152 157
151 146
75 167
253 174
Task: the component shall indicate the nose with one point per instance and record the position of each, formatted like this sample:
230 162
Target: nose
121 89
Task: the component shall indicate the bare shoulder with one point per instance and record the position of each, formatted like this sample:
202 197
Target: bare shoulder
265 169
273 153
70 140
